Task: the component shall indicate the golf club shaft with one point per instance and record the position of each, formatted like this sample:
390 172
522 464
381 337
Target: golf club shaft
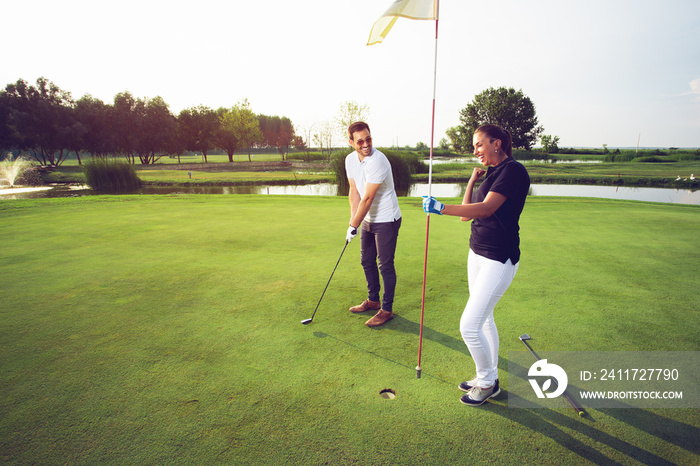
571 401
329 280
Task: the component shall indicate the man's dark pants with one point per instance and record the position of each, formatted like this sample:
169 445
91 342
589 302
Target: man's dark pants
378 245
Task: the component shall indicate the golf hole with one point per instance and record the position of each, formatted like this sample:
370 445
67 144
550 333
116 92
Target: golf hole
388 394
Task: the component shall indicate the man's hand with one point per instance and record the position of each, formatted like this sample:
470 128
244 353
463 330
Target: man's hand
352 232
432 205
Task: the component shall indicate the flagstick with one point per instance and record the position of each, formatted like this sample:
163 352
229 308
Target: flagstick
430 189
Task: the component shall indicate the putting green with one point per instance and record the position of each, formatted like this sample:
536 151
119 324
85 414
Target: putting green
166 329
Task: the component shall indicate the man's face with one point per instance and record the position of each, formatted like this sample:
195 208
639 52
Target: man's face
362 142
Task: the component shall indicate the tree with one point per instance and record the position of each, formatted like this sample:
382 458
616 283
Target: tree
306 140
324 137
299 144
8 136
157 129
508 108
198 126
38 119
460 140
278 132
142 128
349 113
94 116
226 134
246 126
550 144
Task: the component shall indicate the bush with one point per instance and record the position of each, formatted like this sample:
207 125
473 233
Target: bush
438 153
403 166
312 156
625 156
338 168
652 159
685 156
655 155
109 175
30 177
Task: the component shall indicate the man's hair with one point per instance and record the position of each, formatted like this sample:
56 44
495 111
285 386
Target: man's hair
357 126
496 132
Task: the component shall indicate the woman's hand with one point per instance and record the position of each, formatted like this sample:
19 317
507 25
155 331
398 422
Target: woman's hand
477 174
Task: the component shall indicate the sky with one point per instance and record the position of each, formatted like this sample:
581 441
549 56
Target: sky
614 72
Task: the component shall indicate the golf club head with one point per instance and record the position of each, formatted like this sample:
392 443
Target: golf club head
306 321
524 337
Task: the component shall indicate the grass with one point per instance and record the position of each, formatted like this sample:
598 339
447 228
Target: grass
208 178
166 330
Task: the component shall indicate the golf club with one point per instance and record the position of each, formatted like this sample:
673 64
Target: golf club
308 321
524 338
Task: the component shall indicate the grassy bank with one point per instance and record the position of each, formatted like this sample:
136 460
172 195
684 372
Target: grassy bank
166 330
622 174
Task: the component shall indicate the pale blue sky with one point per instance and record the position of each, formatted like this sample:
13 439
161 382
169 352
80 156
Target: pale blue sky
598 71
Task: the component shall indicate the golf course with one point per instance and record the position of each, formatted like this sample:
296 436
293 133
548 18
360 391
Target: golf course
166 330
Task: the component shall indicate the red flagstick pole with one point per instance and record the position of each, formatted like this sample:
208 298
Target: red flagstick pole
430 189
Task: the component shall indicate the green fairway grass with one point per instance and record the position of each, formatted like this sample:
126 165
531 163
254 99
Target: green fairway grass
166 330
209 178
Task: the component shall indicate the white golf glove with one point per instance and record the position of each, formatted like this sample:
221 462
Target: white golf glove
352 232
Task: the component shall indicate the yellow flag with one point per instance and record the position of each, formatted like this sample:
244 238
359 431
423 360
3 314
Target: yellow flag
412 9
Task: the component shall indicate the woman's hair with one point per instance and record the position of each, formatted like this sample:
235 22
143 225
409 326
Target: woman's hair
355 127
496 132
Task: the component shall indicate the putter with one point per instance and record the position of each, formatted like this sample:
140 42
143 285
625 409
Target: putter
524 338
308 321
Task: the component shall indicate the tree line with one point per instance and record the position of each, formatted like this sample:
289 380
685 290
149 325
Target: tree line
46 122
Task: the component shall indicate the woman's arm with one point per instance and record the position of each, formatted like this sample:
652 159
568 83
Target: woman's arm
476 176
483 209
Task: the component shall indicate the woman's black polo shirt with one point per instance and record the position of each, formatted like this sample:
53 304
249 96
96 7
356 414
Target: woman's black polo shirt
497 237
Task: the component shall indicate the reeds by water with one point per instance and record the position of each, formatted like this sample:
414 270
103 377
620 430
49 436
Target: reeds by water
110 175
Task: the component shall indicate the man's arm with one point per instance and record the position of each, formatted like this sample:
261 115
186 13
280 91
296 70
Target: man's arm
363 204
353 197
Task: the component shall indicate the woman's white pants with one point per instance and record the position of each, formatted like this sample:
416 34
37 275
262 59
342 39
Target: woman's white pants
488 281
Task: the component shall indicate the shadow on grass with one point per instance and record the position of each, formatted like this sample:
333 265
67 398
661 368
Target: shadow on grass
404 325
407 326
325 335
550 423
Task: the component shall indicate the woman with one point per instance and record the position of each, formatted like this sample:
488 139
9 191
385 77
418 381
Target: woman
494 250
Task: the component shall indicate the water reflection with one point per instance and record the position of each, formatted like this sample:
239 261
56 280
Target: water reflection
439 190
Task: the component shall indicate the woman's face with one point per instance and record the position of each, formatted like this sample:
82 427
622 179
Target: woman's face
485 150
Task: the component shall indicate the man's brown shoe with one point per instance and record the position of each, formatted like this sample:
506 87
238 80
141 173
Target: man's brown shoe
380 318
367 305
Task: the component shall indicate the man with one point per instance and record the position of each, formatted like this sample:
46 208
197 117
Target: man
374 208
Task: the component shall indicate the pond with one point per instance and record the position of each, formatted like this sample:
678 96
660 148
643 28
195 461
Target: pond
444 190
474 160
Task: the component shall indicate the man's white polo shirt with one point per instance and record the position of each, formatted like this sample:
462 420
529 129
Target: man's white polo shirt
375 169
